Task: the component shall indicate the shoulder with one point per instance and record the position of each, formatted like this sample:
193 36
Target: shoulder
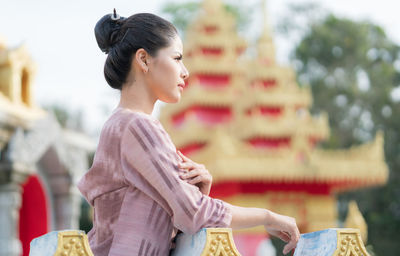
125 118
141 125
143 122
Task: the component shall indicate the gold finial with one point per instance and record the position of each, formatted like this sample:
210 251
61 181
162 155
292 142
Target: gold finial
265 44
2 43
266 26
355 219
212 6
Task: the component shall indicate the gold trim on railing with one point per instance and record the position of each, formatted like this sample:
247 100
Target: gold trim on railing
220 243
73 242
350 243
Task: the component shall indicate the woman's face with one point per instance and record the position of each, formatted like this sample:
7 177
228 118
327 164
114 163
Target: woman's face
167 73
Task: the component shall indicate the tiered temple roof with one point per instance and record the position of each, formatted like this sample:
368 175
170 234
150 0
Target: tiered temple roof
249 122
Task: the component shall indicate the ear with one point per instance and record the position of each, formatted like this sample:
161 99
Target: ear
142 58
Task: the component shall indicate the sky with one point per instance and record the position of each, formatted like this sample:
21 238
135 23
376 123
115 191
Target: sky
59 36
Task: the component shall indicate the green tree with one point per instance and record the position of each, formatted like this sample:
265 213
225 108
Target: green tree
353 69
181 14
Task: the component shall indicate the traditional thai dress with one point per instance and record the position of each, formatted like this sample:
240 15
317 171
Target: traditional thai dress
139 200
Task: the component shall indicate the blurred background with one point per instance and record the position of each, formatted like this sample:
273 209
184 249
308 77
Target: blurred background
331 69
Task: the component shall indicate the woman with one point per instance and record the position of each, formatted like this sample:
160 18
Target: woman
141 188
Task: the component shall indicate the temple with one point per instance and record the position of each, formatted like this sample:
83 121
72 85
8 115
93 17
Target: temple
249 122
39 160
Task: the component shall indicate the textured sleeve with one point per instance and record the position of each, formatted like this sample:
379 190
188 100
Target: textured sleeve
148 158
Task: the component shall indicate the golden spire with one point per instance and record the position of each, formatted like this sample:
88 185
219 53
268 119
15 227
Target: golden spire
2 43
265 44
266 26
212 6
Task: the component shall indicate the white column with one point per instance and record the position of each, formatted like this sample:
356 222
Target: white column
67 209
10 203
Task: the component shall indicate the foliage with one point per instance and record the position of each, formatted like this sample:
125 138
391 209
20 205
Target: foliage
353 70
86 217
181 14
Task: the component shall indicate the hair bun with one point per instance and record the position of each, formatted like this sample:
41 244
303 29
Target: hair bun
106 31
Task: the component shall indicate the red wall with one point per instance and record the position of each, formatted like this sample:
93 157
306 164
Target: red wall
33 220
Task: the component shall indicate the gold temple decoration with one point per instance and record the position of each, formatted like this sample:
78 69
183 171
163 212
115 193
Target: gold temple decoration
355 219
219 243
263 102
349 243
17 71
73 243
18 109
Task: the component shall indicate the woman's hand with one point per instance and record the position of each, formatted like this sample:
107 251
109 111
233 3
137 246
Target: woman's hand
196 174
285 228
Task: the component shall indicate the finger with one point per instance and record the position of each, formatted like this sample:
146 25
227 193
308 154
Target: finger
292 244
184 158
289 247
295 233
191 174
280 234
284 237
191 165
186 165
195 180
180 156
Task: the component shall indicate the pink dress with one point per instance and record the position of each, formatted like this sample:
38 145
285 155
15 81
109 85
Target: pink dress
138 197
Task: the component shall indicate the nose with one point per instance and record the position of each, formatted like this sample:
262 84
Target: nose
184 73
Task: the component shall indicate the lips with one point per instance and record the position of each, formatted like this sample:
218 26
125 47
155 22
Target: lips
181 85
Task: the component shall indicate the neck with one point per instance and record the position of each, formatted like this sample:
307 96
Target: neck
137 97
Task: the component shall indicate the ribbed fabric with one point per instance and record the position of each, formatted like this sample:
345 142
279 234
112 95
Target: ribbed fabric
138 197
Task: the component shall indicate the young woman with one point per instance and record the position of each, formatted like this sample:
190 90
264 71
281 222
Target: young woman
142 189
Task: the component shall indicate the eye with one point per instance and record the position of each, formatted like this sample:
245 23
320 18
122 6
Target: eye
179 57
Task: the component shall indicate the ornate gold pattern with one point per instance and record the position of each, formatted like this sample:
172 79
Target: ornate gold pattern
349 243
220 243
73 243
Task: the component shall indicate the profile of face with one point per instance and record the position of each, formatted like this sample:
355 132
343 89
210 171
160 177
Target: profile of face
166 74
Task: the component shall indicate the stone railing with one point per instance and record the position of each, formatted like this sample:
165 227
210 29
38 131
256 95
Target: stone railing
61 243
331 242
209 242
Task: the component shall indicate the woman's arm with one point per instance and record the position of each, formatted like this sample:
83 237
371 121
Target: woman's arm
277 225
281 226
146 164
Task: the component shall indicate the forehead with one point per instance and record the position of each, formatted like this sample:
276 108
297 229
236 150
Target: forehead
175 45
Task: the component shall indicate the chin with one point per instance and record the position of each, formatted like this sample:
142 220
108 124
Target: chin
173 99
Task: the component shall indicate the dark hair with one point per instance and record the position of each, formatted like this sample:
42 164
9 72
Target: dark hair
120 38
